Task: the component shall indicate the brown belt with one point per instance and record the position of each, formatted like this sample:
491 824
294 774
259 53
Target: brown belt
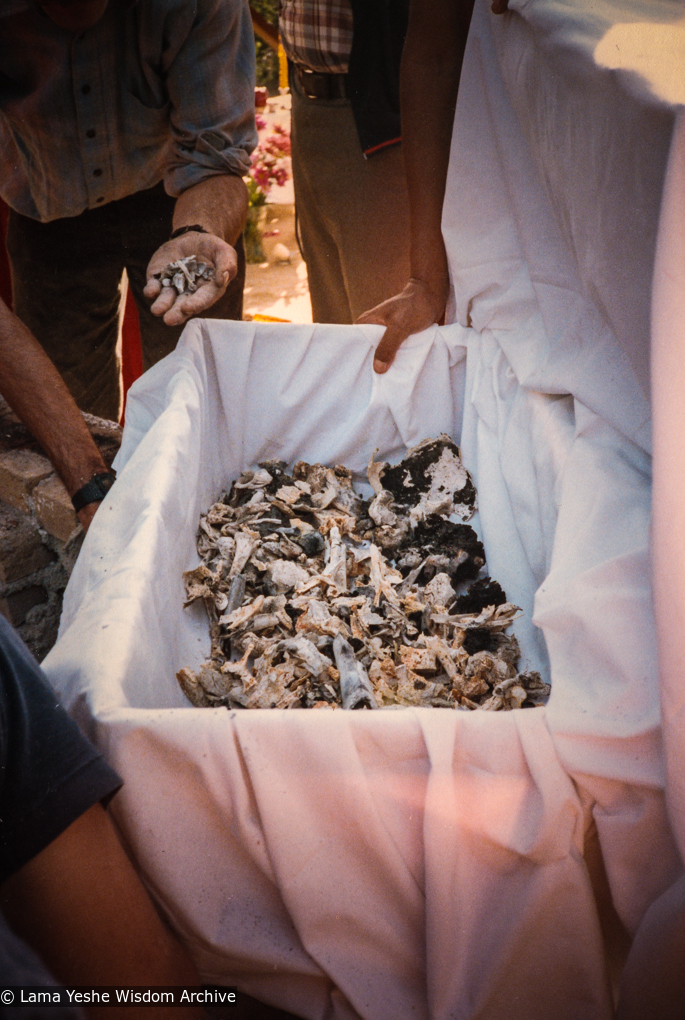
319 85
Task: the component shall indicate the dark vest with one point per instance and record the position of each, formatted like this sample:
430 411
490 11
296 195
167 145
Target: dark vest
373 80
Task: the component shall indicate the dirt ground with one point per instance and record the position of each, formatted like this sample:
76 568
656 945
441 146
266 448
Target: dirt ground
278 287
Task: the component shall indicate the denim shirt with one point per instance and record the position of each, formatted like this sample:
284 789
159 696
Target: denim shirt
157 89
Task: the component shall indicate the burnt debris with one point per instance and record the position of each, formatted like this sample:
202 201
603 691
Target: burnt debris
318 598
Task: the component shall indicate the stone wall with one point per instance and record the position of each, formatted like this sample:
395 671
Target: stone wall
40 535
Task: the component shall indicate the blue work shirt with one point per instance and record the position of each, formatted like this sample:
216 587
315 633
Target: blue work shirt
157 89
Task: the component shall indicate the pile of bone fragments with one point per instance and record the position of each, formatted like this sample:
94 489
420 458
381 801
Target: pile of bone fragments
317 597
185 275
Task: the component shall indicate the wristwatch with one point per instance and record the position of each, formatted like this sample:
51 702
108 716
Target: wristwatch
195 228
93 491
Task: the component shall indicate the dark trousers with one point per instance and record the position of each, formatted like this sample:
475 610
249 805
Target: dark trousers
65 284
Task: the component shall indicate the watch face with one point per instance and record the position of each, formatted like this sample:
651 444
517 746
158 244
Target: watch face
105 481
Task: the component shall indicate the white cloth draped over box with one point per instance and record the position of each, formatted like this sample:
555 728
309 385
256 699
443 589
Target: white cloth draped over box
424 863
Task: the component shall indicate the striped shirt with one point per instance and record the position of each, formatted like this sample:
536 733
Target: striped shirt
317 33
157 89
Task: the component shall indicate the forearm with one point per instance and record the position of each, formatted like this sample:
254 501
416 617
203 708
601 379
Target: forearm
429 82
36 392
219 204
82 907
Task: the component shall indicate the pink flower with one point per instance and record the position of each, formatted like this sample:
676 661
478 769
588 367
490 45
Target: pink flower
266 161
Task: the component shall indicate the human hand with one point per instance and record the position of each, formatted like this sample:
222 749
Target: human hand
177 308
416 308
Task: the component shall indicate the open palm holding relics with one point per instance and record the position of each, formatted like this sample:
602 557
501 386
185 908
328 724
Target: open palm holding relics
188 274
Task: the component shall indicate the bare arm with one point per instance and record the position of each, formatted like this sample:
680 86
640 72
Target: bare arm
219 204
429 82
36 392
81 906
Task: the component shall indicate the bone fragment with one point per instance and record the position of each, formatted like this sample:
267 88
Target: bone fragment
383 577
336 569
286 575
380 509
374 472
307 653
244 547
355 689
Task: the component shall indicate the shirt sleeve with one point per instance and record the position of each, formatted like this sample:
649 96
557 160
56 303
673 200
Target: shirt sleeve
210 83
49 773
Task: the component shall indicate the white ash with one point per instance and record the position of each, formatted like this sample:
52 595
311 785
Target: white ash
185 275
319 598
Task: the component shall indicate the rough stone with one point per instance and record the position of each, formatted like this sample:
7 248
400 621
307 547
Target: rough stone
39 534
53 508
15 606
39 629
20 472
22 551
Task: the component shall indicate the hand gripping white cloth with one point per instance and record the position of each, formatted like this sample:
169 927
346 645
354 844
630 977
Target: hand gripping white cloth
419 863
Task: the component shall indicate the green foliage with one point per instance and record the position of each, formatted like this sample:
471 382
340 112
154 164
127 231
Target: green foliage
267 8
267 59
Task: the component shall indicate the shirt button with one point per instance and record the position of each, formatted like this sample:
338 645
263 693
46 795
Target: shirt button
97 173
90 133
85 89
101 199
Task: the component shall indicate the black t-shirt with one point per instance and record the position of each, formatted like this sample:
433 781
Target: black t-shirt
49 773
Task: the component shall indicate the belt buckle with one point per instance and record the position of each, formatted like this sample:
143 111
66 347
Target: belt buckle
321 84
306 77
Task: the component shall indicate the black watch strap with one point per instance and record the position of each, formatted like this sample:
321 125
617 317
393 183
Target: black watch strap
93 491
194 228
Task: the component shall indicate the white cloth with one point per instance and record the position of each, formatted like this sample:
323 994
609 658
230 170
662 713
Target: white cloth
418 863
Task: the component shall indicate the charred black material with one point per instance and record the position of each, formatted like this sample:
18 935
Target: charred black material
409 479
481 594
480 640
312 542
437 536
279 475
274 520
